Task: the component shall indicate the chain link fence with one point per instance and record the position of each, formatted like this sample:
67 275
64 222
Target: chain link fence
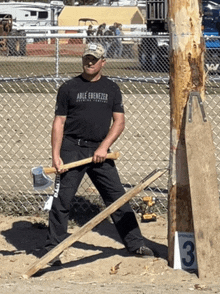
28 84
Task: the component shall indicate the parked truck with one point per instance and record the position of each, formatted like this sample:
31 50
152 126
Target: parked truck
154 48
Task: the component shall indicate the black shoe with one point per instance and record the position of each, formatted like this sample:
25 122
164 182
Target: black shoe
39 252
143 251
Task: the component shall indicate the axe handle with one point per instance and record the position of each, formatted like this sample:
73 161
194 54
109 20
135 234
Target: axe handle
51 170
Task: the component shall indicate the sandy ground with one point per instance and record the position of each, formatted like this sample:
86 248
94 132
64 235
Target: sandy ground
97 263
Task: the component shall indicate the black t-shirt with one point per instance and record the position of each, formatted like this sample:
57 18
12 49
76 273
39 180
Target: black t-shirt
88 107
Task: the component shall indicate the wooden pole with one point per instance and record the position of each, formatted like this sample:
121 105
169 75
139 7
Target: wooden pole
186 75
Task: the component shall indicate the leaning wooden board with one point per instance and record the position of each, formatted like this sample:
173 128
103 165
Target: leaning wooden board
203 187
39 264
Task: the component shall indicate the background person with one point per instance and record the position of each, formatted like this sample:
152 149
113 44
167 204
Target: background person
110 50
90 32
118 41
100 32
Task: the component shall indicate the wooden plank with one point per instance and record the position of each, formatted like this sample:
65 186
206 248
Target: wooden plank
39 264
203 188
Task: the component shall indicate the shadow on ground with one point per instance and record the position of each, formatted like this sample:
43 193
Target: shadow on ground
26 236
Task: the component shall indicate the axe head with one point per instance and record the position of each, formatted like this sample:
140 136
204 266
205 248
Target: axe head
40 180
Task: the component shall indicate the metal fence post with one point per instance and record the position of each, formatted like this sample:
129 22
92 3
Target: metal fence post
57 62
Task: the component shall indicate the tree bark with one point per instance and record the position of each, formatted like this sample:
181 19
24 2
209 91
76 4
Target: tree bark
186 75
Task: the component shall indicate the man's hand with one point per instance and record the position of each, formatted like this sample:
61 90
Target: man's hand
57 164
100 155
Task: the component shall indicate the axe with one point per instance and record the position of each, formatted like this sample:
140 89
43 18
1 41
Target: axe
40 179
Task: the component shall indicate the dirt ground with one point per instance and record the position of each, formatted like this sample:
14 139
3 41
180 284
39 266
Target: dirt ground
97 263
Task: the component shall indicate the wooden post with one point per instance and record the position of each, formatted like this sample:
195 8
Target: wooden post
186 75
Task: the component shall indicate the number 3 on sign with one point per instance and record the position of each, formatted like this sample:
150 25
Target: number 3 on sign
184 251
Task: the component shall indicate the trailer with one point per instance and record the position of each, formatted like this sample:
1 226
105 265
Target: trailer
16 16
32 13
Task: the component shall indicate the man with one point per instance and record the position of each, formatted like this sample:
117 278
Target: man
86 105
119 45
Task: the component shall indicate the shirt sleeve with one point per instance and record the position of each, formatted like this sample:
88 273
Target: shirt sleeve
61 107
118 103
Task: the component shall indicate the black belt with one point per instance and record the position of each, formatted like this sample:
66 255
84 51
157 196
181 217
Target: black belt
84 143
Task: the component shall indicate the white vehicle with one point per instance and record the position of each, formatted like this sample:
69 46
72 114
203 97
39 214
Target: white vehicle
16 16
32 13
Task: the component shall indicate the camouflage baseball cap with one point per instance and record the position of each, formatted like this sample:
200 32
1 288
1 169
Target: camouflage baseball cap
96 50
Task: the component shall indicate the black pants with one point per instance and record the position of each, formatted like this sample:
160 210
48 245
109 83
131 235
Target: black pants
105 178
